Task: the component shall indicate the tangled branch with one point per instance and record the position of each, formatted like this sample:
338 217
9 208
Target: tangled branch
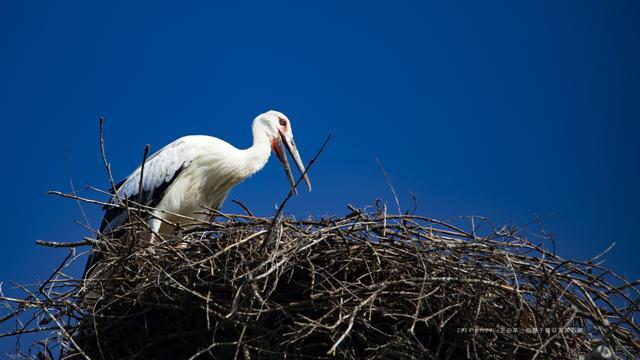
366 285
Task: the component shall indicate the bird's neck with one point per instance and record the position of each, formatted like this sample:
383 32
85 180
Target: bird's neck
258 154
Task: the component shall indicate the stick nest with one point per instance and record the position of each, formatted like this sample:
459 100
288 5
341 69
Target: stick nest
366 285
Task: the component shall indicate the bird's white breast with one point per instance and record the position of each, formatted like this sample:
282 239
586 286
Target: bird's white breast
214 169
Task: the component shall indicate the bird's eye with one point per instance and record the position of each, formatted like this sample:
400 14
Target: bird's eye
283 122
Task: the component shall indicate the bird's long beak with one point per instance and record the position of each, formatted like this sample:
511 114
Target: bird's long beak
278 147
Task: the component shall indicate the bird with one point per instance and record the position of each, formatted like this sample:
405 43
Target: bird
195 171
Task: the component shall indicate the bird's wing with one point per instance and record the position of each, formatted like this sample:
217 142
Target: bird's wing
160 171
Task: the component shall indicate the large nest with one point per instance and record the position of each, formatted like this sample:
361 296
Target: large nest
366 285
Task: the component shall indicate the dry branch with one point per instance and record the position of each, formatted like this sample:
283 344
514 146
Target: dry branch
366 285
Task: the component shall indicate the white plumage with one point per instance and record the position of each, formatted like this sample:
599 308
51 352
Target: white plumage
196 171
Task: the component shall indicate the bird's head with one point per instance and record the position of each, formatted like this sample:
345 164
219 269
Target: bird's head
277 127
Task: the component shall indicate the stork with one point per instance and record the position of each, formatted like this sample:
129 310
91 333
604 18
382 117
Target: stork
196 171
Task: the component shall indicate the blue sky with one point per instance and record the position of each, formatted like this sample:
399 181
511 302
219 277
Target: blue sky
495 108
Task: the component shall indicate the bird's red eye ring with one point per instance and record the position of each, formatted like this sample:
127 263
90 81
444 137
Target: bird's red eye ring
283 122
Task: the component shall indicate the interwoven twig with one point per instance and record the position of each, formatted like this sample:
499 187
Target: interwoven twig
366 285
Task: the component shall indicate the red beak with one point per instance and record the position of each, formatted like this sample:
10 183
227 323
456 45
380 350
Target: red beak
276 149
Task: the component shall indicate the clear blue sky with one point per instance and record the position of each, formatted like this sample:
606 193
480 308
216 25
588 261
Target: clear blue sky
481 108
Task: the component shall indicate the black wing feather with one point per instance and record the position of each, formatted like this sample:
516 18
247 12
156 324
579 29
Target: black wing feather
112 213
160 172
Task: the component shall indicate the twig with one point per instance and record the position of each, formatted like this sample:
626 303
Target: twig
144 161
103 153
56 244
292 190
246 209
364 285
388 181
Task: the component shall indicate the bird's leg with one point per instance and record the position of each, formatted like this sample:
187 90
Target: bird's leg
177 233
154 224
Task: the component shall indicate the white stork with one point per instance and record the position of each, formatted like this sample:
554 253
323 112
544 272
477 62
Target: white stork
198 170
